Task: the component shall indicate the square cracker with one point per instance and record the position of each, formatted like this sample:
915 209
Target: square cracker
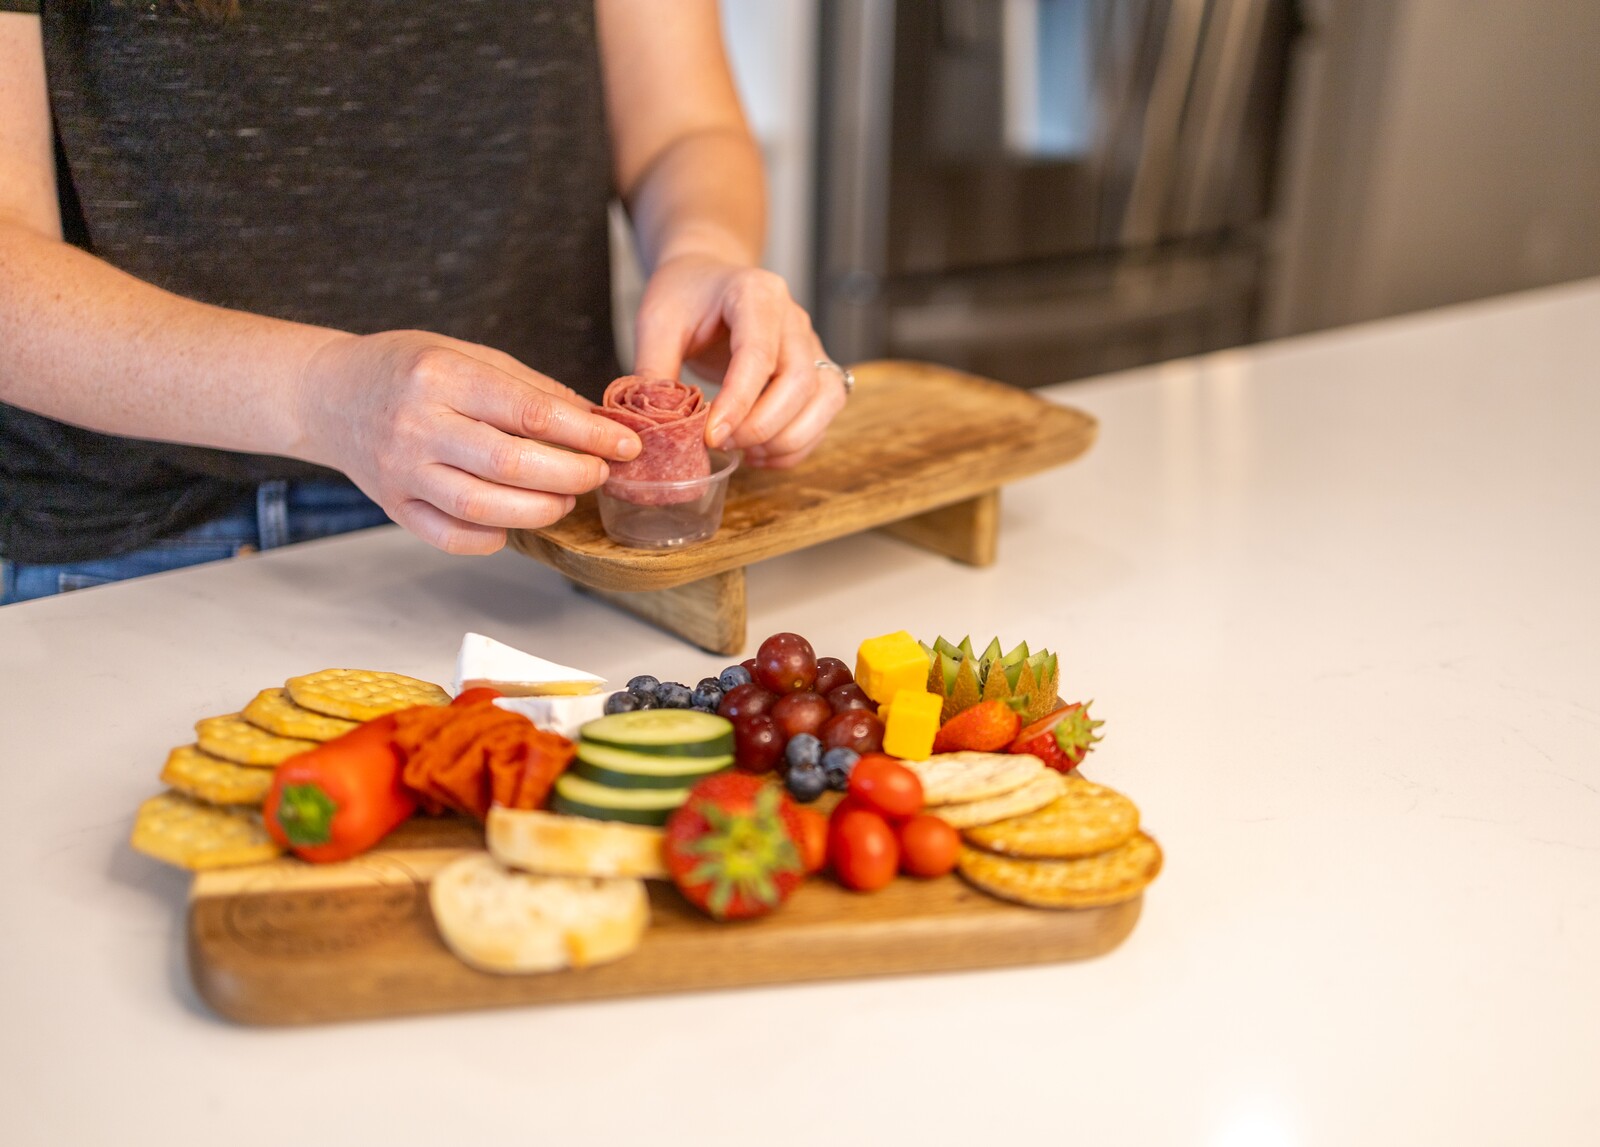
192 770
197 836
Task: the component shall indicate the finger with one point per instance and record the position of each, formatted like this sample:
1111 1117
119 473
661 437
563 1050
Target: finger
504 363
443 532
474 501
520 409
754 342
661 339
510 460
794 389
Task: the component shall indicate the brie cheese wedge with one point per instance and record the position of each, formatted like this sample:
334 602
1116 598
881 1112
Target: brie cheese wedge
564 715
485 661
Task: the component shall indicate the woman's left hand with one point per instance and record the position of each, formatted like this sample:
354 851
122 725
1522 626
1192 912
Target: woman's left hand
739 324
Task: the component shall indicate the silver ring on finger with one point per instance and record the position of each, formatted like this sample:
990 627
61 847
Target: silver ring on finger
848 379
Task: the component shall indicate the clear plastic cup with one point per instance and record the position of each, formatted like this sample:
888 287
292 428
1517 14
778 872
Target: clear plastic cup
664 515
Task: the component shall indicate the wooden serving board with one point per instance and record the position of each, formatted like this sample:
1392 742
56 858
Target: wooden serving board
292 943
919 450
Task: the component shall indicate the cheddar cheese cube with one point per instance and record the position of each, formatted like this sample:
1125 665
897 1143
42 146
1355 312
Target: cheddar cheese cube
885 665
909 724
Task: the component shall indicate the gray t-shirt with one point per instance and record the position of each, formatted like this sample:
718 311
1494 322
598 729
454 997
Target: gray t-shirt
362 164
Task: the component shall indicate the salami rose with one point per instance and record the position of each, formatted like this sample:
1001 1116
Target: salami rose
670 419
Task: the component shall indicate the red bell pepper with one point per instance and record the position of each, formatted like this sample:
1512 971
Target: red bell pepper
341 798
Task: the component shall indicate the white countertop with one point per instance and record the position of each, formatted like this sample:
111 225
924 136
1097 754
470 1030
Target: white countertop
1337 601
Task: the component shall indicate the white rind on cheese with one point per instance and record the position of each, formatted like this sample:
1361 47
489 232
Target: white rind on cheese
485 661
564 715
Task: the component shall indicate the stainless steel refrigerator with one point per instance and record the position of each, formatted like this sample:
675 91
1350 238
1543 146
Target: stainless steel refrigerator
1042 189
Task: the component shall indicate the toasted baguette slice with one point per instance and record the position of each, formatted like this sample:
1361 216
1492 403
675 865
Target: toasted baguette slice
551 844
503 921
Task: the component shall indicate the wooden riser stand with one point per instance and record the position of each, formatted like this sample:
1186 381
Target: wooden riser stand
711 613
920 453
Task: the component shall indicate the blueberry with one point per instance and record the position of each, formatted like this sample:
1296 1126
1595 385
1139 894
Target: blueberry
643 685
621 703
673 695
707 695
715 682
645 701
805 782
837 763
803 749
734 675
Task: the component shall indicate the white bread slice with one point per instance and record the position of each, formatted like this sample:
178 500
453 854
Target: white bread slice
502 921
555 845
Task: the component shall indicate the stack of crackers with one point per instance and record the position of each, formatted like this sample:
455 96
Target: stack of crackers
210 816
1036 836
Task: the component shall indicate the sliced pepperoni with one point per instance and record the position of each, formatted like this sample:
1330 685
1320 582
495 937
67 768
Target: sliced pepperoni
670 419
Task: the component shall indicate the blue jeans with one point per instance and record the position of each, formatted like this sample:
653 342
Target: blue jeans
280 513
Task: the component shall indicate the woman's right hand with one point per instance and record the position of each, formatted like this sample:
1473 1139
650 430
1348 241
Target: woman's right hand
457 442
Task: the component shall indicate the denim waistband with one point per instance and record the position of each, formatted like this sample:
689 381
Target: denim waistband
278 514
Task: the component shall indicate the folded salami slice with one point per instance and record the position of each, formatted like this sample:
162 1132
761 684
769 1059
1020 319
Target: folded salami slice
670 419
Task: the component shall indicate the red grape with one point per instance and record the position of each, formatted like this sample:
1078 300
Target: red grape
831 673
851 696
853 729
745 701
801 713
750 664
786 663
757 743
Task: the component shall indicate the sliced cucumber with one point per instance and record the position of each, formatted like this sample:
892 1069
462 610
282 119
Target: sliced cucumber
627 770
668 732
580 797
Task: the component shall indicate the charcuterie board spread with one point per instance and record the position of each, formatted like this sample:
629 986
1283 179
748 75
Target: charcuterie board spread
920 451
369 844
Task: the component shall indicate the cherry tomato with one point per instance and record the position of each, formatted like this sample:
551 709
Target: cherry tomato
813 839
928 846
862 848
883 783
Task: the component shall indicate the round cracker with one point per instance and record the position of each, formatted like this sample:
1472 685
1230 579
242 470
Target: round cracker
272 710
1037 793
361 694
953 778
192 770
1085 819
234 739
1086 882
197 836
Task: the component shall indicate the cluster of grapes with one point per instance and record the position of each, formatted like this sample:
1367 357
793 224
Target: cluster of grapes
804 714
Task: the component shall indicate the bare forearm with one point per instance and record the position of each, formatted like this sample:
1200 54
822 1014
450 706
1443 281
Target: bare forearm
83 342
705 195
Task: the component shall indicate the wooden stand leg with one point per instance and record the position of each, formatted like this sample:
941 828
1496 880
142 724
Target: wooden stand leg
966 531
709 613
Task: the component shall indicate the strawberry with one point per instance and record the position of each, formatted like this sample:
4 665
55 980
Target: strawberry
986 727
1062 739
732 847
